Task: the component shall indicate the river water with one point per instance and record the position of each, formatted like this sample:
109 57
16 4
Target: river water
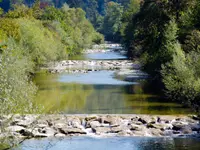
102 93
117 143
99 92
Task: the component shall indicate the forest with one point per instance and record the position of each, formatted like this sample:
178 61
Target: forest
165 36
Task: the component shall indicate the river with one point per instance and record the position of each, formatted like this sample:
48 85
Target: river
100 92
117 143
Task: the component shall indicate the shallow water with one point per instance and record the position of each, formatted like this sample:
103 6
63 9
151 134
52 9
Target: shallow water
111 55
117 143
100 93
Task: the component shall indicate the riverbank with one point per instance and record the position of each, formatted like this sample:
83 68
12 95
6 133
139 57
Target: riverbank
41 126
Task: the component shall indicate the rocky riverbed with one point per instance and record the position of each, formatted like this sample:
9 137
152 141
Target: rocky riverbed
104 48
89 65
35 126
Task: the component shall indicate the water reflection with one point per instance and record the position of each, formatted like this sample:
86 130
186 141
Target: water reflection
62 93
136 143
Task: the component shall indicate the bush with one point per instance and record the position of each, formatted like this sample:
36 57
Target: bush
41 44
10 28
181 80
16 90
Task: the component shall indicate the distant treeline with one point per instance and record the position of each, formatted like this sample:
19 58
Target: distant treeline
105 15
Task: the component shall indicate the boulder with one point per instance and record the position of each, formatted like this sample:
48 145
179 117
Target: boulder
139 133
100 130
15 128
134 127
158 126
26 133
117 129
59 135
94 124
146 119
48 132
155 132
178 125
91 117
186 130
195 127
72 131
111 120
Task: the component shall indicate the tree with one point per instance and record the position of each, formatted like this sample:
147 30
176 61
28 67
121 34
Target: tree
112 21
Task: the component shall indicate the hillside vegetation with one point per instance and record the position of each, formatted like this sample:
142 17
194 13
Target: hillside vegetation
33 36
165 36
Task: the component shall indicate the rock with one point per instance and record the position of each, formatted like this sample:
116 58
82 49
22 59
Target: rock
166 119
155 132
41 125
47 131
124 133
94 124
26 133
186 130
117 129
76 123
134 127
100 130
72 131
143 120
178 125
168 133
176 132
138 133
195 117
60 135
159 126
111 120
150 125
195 127
15 128
60 125
91 117
24 123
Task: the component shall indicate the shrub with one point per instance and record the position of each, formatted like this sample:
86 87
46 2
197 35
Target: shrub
180 79
41 44
16 90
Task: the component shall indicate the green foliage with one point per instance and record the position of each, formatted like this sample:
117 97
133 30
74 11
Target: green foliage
30 37
71 25
19 11
192 42
1 11
154 59
40 43
16 91
179 77
10 27
165 36
112 21
133 8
